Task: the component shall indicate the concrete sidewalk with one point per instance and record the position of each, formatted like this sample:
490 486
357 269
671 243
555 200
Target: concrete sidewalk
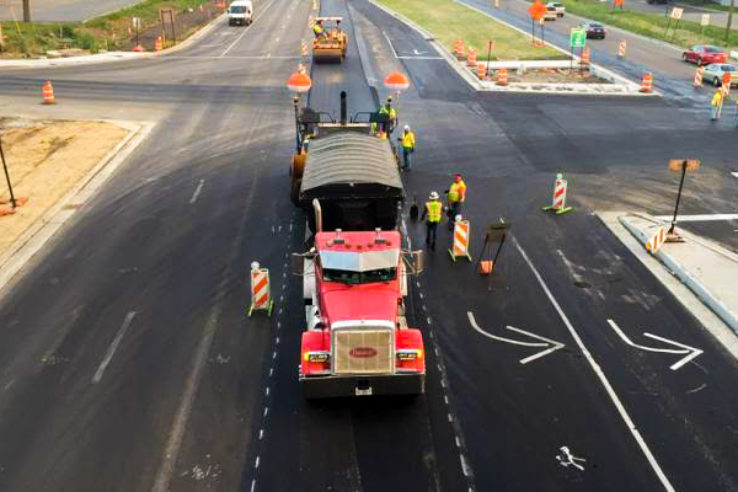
706 268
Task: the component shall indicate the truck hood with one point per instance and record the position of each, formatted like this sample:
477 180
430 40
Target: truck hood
342 302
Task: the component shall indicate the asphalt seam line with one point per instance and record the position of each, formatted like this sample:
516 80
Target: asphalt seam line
113 347
600 374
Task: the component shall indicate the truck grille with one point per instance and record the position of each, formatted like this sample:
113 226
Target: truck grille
363 352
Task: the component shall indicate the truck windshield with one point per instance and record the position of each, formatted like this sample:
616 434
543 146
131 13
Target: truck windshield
349 277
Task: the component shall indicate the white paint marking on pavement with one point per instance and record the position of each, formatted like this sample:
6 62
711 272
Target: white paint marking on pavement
197 191
113 347
390 44
699 217
735 174
261 434
420 58
262 10
256 463
566 459
547 342
685 349
600 374
253 485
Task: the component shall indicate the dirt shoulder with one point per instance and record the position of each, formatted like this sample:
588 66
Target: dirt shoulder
46 160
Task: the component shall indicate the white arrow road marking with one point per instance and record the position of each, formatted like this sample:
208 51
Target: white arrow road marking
692 352
567 459
547 342
418 53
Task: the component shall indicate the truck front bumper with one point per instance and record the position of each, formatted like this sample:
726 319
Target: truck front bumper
384 384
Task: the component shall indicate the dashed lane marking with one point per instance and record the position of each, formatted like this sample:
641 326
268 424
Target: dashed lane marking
197 191
113 347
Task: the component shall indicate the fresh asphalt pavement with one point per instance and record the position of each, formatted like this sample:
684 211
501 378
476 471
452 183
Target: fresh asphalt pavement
195 396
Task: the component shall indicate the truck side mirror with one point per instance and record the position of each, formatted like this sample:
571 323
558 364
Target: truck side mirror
298 264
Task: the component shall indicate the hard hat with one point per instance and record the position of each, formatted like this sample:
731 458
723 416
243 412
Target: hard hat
389 99
407 128
433 195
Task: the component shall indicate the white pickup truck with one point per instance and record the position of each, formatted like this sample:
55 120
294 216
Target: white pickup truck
240 12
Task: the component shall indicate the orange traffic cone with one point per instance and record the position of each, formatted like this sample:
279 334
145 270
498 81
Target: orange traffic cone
158 44
47 92
138 49
647 84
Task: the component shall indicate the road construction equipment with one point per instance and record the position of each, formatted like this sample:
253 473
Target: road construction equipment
330 46
496 233
355 271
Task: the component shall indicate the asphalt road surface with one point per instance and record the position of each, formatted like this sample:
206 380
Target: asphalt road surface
127 363
61 10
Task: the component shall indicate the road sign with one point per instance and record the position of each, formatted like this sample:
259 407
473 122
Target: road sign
676 165
705 20
136 21
577 38
536 10
726 81
676 13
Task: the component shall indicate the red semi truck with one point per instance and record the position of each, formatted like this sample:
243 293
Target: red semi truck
355 274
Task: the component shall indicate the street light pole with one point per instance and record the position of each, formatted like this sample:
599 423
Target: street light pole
730 20
26 10
7 175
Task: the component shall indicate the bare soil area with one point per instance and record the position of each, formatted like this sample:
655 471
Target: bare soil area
46 159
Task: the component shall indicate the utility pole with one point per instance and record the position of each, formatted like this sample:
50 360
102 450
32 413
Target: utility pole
26 10
730 21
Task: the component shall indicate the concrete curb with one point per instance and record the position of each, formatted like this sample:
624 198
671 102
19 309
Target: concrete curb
705 295
629 89
681 292
111 57
38 234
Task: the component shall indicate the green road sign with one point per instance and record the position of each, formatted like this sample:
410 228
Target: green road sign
577 38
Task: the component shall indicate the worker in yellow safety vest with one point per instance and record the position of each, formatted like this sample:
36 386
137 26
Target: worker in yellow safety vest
408 146
318 29
432 215
717 104
392 113
456 196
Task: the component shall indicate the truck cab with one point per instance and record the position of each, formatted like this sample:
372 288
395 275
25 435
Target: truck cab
357 340
240 12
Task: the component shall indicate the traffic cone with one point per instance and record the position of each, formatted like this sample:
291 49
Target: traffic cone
138 49
158 44
47 92
647 84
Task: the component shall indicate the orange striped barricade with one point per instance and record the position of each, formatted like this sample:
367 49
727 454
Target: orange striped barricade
647 84
653 245
261 295
158 44
460 246
502 76
558 202
47 93
459 50
586 56
698 74
481 71
622 48
471 57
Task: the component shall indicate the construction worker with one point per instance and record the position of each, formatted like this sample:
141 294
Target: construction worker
432 216
717 104
392 113
408 146
456 196
318 29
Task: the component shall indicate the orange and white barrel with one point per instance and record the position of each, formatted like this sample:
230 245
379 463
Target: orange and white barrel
586 55
656 241
698 77
462 232
502 76
481 71
621 48
47 93
261 297
647 84
471 57
158 44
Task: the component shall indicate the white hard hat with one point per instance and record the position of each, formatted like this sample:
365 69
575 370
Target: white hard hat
407 127
433 195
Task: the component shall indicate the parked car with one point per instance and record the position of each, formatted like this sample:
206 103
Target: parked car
550 14
714 74
560 8
594 30
704 55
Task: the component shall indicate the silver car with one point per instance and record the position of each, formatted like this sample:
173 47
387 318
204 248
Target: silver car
714 74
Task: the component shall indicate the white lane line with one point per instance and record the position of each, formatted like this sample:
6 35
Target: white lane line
263 10
197 191
600 374
253 485
254 57
390 44
699 217
735 174
420 58
113 347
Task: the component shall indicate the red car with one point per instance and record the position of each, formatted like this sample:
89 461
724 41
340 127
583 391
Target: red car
704 55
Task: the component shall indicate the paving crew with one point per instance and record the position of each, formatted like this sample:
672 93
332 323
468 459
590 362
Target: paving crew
318 29
392 113
456 196
717 104
432 216
408 146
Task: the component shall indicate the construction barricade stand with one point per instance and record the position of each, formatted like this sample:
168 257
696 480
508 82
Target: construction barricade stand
558 203
460 244
261 294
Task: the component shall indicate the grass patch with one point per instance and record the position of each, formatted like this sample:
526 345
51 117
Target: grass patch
449 21
651 25
108 32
